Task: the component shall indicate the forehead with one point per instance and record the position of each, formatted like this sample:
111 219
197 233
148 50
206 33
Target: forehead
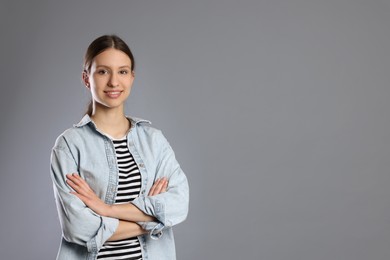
112 58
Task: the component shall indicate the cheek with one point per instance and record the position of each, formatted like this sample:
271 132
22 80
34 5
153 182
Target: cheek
99 81
129 84
128 90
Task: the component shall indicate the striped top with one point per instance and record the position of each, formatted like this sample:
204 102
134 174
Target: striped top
129 186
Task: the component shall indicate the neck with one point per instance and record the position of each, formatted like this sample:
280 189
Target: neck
111 121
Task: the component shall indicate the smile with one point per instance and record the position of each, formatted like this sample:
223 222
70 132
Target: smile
113 94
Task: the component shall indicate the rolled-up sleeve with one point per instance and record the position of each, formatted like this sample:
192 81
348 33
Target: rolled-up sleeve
79 224
171 207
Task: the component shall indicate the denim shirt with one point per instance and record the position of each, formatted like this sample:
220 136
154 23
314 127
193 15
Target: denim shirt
85 150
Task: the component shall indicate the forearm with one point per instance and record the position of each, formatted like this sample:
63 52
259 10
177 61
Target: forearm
126 229
128 212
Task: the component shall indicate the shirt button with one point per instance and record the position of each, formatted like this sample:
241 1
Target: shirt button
143 192
141 165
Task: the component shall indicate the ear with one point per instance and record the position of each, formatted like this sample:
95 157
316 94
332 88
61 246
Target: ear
85 78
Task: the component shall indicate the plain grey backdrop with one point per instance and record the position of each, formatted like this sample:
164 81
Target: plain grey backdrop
278 111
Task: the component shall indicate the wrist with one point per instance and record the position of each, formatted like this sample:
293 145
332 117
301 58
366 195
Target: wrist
107 212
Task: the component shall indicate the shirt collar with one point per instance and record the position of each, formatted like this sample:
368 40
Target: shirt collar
87 119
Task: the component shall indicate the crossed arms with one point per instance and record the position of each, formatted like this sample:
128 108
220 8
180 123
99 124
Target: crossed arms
128 214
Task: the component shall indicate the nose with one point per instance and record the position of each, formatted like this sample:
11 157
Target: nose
113 82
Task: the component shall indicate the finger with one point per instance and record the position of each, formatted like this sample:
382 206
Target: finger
153 189
73 178
76 179
79 188
159 186
73 182
165 185
75 187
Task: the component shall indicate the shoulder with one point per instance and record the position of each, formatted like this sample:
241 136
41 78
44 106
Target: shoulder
63 139
71 136
145 130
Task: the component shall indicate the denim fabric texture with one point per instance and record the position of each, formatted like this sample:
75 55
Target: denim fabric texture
85 150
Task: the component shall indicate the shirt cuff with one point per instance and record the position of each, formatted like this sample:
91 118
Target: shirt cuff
155 229
107 228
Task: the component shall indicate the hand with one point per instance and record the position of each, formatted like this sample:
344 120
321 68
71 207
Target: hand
92 201
86 194
159 186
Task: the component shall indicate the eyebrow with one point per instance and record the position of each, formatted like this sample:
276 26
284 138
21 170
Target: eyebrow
121 67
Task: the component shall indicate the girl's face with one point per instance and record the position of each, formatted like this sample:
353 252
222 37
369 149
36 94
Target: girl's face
110 79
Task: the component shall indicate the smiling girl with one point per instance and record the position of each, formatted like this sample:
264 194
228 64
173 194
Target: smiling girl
118 187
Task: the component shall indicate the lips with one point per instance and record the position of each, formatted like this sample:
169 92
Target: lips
113 94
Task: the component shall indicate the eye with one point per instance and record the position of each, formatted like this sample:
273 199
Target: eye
124 72
102 72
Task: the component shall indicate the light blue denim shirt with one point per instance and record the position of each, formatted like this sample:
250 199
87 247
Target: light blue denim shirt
85 150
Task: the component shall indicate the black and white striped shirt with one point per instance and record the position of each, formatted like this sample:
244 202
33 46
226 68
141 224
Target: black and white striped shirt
129 187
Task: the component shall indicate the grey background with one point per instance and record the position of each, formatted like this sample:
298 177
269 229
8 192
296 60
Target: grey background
277 111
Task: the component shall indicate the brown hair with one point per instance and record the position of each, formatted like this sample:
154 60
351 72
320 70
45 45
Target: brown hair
99 45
